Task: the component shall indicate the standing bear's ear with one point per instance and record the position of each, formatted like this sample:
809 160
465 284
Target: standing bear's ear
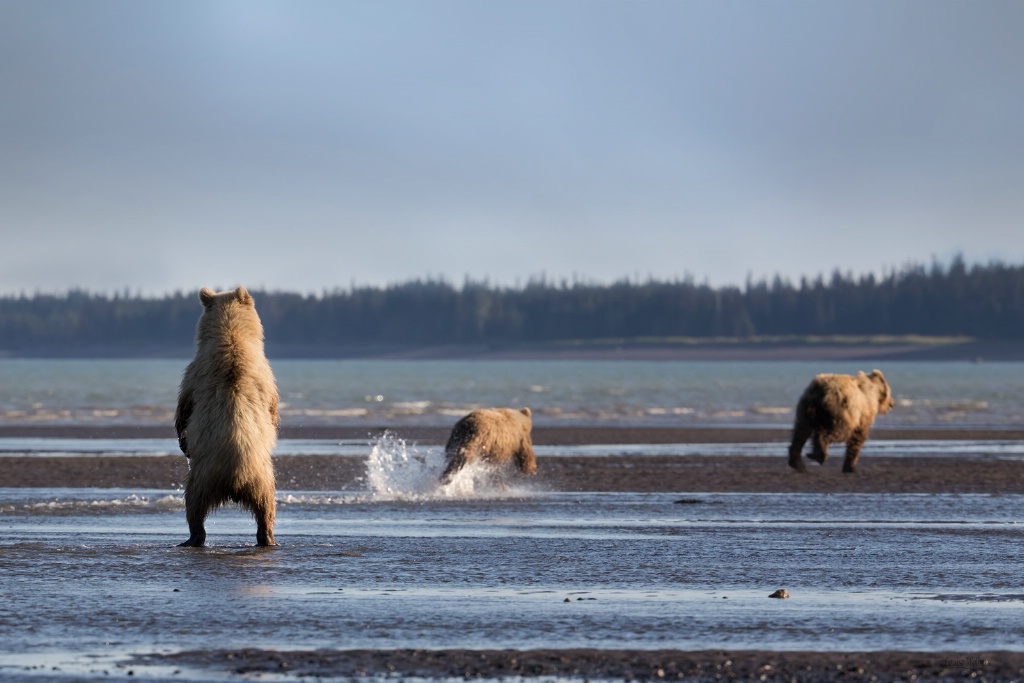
207 295
526 412
242 294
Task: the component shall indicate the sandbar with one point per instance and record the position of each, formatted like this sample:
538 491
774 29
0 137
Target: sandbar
608 472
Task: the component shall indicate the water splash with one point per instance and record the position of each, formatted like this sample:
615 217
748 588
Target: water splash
397 470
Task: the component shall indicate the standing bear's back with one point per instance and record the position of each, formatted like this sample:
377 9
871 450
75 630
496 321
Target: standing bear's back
227 415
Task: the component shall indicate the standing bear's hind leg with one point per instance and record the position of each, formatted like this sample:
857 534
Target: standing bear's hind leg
265 514
197 507
263 506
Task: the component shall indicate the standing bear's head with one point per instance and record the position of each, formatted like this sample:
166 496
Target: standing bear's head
885 400
230 314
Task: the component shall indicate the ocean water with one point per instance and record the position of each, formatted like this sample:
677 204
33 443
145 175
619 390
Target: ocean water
89 577
629 393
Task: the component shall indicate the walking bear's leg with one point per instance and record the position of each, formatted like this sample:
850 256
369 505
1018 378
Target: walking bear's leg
819 449
801 433
853 446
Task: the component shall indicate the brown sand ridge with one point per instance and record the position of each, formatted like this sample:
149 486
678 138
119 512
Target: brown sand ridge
585 664
692 473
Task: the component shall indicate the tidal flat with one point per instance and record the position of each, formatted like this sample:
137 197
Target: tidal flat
646 557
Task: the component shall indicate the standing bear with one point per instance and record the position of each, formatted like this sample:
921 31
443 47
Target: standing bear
495 435
838 408
227 416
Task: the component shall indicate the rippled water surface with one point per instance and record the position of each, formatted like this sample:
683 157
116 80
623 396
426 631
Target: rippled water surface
674 393
98 570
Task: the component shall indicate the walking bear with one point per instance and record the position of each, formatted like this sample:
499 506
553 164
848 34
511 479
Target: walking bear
227 416
838 408
495 435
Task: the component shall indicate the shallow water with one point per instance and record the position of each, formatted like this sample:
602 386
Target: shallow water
641 571
482 563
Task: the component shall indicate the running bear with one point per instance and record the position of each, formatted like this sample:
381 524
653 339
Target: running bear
838 408
227 416
496 435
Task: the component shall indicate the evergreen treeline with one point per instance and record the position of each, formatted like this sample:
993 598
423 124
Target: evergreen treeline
982 301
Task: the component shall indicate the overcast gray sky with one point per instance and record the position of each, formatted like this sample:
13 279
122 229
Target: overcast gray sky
311 145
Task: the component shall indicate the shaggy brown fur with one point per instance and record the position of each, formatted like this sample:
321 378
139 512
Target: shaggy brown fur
838 408
496 435
227 416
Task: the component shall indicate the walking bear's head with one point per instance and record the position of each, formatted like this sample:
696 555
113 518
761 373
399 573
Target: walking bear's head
885 400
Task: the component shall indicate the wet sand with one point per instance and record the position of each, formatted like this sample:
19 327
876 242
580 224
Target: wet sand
690 474
706 665
718 474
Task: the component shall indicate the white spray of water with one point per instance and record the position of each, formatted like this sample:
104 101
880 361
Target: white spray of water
396 470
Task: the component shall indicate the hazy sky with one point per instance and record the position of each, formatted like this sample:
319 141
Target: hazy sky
309 145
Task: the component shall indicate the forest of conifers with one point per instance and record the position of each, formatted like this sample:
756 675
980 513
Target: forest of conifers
978 301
